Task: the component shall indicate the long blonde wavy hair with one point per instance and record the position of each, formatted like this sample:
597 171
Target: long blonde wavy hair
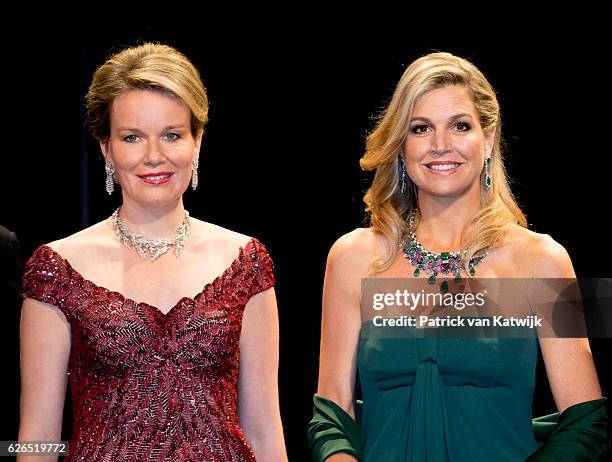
387 206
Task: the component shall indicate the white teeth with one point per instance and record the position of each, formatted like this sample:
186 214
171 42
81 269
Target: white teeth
159 177
443 166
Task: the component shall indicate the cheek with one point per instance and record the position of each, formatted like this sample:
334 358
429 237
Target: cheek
187 158
183 162
125 157
125 163
471 145
415 149
182 155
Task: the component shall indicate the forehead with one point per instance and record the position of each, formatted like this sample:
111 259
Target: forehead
449 100
148 107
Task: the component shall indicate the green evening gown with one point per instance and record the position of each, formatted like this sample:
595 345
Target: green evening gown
446 399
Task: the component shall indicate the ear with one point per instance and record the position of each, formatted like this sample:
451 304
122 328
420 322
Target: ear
489 141
105 148
198 144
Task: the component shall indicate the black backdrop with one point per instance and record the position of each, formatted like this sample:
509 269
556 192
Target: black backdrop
290 107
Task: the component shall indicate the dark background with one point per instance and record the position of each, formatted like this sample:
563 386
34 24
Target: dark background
290 108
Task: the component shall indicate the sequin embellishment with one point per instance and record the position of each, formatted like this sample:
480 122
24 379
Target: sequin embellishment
149 386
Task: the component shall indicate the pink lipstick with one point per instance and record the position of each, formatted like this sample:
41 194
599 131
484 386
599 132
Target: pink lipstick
156 178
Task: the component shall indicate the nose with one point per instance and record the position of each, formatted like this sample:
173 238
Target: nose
154 154
440 143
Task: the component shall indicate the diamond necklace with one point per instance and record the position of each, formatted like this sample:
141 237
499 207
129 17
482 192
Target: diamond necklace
154 247
445 263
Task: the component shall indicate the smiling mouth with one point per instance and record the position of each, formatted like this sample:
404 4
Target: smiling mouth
444 166
156 178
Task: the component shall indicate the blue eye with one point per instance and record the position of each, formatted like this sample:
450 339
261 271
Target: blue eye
172 136
130 138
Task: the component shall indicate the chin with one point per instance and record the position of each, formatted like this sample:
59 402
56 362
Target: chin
447 190
157 201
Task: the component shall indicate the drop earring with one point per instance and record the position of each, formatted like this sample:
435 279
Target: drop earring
194 174
110 183
487 166
402 172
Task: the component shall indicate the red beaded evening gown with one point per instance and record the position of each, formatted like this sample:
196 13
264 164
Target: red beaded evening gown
148 386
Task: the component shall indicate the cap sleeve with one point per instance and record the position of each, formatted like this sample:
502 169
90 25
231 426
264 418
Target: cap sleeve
47 277
261 266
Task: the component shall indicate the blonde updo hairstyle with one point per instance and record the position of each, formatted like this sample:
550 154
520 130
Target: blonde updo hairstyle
150 66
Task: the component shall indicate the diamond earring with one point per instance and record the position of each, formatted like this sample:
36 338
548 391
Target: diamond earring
110 183
402 173
194 174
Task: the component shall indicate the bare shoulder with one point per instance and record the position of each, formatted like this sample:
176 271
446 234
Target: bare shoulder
82 244
355 250
538 255
208 236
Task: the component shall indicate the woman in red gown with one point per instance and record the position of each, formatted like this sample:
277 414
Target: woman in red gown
166 325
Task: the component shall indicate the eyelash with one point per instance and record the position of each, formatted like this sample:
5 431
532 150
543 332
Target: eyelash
416 128
467 126
176 136
131 138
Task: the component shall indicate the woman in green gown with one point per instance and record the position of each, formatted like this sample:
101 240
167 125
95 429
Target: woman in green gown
440 207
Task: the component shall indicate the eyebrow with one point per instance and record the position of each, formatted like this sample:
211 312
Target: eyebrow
455 117
169 127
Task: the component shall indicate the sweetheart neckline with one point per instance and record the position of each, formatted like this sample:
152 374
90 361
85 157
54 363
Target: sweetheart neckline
237 260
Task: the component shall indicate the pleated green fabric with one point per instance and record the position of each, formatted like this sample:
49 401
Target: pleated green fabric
446 399
434 399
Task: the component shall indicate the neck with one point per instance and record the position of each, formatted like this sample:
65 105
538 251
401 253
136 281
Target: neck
157 223
442 221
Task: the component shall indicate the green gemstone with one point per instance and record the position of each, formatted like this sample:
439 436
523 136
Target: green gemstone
444 286
445 255
416 273
431 279
488 180
488 160
472 271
